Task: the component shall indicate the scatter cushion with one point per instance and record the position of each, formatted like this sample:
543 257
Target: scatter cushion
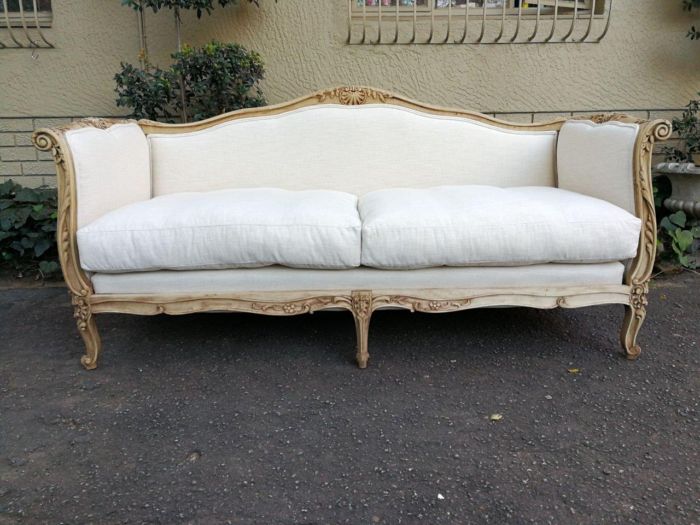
240 228
485 225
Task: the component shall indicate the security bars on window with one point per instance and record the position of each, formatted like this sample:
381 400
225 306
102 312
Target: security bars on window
21 21
477 21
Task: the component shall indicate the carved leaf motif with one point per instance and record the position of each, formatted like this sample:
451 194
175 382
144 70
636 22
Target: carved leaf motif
93 122
362 304
299 307
602 118
81 312
423 305
638 298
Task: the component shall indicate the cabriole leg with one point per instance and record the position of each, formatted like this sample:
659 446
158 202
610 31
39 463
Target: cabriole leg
362 312
635 313
88 331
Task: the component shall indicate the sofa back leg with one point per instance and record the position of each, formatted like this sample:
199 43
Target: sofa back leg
88 331
635 313
362 312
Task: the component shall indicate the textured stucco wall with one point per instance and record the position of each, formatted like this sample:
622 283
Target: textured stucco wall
645 66
645 62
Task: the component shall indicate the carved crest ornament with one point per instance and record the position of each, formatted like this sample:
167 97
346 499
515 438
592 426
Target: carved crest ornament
352 96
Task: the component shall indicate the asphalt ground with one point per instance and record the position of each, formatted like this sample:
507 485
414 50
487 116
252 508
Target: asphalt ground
235 418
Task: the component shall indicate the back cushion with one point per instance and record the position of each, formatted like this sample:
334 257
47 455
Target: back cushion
111 168
597 160
355 149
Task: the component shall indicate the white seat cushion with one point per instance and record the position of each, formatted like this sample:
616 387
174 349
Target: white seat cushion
282 279
241 228
486 225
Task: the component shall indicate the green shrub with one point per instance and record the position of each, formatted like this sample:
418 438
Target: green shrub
150 93
219 78
681 237
28 229
215 79
688 129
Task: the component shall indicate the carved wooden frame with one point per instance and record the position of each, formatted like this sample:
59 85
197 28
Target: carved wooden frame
361 303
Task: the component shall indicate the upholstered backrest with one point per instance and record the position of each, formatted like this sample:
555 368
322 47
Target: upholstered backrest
350 148
598 160
111 168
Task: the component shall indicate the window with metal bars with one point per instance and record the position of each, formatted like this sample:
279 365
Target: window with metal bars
477 21
22 21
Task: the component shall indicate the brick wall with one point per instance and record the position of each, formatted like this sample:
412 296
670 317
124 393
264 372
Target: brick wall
20 161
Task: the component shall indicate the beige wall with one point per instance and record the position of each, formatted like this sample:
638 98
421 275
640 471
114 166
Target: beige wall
645 63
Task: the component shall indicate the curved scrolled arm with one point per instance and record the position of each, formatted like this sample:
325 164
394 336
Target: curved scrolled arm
639 271
53 140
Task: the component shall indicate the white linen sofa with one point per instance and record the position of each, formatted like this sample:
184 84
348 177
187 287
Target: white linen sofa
356 199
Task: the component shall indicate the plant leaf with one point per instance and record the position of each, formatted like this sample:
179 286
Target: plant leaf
41 246
666 225
684 239
678 218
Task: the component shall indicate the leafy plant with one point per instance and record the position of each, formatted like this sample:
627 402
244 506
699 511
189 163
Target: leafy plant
219 78
208 81
682 238
28 229
200 6
689 5
688 129
150 93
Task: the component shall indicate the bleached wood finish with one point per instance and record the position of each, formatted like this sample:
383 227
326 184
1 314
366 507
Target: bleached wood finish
361 303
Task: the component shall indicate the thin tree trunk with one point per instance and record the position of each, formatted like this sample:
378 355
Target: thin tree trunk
143 41
182 79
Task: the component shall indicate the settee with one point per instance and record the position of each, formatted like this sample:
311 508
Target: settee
354 199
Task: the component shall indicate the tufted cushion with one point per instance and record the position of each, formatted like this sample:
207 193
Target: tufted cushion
472 225
226 229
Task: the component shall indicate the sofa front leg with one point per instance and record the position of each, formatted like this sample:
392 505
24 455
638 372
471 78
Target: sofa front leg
362 312
88 331
635 313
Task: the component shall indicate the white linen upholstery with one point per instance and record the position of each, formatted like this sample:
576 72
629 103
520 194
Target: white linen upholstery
470 225
112 168
226 229
279 278
350 148
597 160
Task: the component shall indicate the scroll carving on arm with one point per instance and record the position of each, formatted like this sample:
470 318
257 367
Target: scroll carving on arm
639 271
